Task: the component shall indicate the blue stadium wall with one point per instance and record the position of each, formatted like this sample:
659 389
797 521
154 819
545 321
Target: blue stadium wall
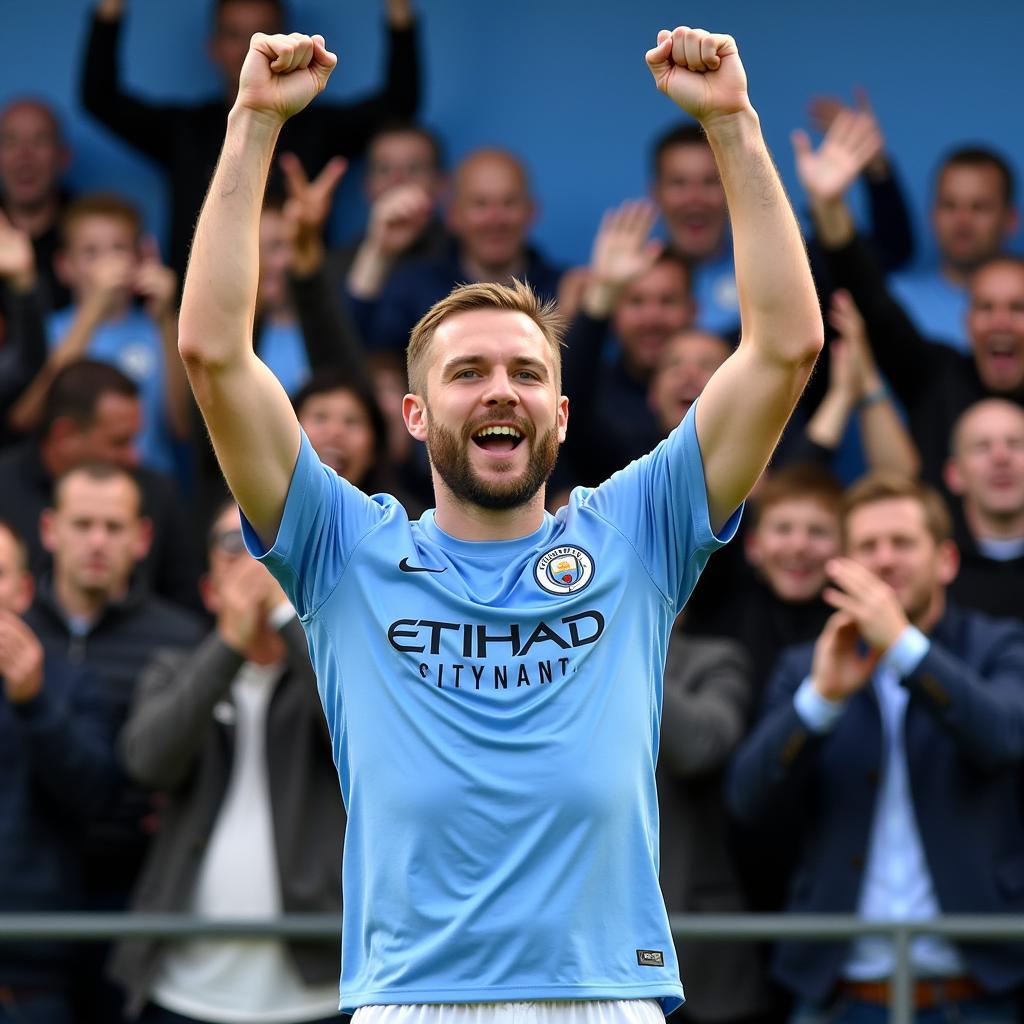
563 83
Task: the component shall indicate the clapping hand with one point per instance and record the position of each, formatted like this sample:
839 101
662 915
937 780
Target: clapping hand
21 659
623 250
155 283
841 665
851 348
871 603
17 257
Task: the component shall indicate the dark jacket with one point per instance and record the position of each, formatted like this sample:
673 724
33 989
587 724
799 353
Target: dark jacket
933 381
333 344
186 139
434 243
170 567
964 736
116 649
23 348
386 322
990 585
612 422
174 741
58 770
707 700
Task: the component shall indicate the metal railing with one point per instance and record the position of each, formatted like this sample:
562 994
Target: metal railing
706 927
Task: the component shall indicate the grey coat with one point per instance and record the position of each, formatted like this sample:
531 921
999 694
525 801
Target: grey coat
175 742
707 701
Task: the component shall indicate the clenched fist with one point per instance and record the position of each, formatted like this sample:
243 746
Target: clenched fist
283 73
701 71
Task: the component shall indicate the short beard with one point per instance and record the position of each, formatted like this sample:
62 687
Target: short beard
450 457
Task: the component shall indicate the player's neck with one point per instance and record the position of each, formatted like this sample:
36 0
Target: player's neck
466 521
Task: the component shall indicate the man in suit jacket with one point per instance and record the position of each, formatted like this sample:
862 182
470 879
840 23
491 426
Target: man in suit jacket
899 734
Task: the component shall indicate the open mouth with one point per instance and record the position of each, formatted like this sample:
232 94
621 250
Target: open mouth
499 440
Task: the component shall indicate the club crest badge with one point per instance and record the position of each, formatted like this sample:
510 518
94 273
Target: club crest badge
564 570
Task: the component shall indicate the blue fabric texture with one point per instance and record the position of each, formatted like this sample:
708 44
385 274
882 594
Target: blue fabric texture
494 715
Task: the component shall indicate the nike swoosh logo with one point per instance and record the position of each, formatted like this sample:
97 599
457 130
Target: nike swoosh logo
406 567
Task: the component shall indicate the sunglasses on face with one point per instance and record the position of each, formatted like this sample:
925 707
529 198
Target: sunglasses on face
231 542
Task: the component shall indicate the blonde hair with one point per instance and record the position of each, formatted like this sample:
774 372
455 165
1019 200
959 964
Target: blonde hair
518 297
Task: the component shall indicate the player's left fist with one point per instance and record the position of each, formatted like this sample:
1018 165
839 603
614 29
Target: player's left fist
701 71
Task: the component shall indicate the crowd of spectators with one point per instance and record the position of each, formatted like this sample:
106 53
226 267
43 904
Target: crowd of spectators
843 721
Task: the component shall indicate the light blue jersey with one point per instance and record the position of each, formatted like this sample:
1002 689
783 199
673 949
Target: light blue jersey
494 709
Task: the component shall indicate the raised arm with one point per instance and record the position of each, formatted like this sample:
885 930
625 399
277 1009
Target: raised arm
826 174
887 442
745 406
146 126
250 419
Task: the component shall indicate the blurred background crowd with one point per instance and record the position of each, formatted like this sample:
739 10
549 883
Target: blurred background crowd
161 742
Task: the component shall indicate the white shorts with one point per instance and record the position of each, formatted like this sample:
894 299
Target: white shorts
576 1011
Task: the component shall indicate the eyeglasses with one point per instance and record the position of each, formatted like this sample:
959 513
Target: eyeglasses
231 542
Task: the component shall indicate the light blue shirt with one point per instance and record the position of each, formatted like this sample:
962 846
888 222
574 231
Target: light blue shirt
715 294
494 709
132 344
937 307
897 884
1000 550
280 346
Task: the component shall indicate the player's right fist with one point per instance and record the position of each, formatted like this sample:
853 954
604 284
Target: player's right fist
282 73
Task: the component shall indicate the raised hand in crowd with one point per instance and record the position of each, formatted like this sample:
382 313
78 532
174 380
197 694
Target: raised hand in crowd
240 600
623 250
400 13
17 257
110 278
157 285
307 208
397 219
21 659
823 111
110 10
841 666
856 386
154 282
886 439
247 595
853 141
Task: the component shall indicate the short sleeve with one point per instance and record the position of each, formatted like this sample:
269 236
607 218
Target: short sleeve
660 504
324 520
